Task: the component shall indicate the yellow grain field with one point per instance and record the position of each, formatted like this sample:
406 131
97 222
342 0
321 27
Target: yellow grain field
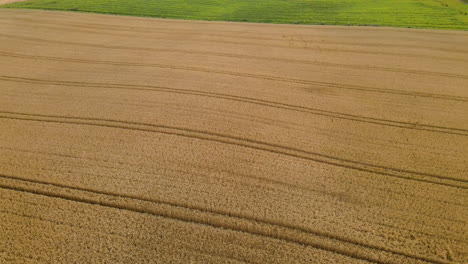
136 140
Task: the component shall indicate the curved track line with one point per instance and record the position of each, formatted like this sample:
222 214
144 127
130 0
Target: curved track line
186 219
223 213
260 102
97 230
277 187
408 215
249 75
244 142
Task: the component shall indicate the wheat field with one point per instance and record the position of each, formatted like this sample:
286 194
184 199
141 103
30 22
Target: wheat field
139 140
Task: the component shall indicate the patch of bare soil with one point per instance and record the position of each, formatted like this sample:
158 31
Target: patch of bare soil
10 1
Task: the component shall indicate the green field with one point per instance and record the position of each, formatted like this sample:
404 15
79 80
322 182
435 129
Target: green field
442 14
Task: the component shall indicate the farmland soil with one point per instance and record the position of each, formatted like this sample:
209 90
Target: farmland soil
138 140
10 1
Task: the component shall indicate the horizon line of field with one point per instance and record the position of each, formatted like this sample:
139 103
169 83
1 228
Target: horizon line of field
248 143
134 29
247 75
220 219
426 31
240 56
250 100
